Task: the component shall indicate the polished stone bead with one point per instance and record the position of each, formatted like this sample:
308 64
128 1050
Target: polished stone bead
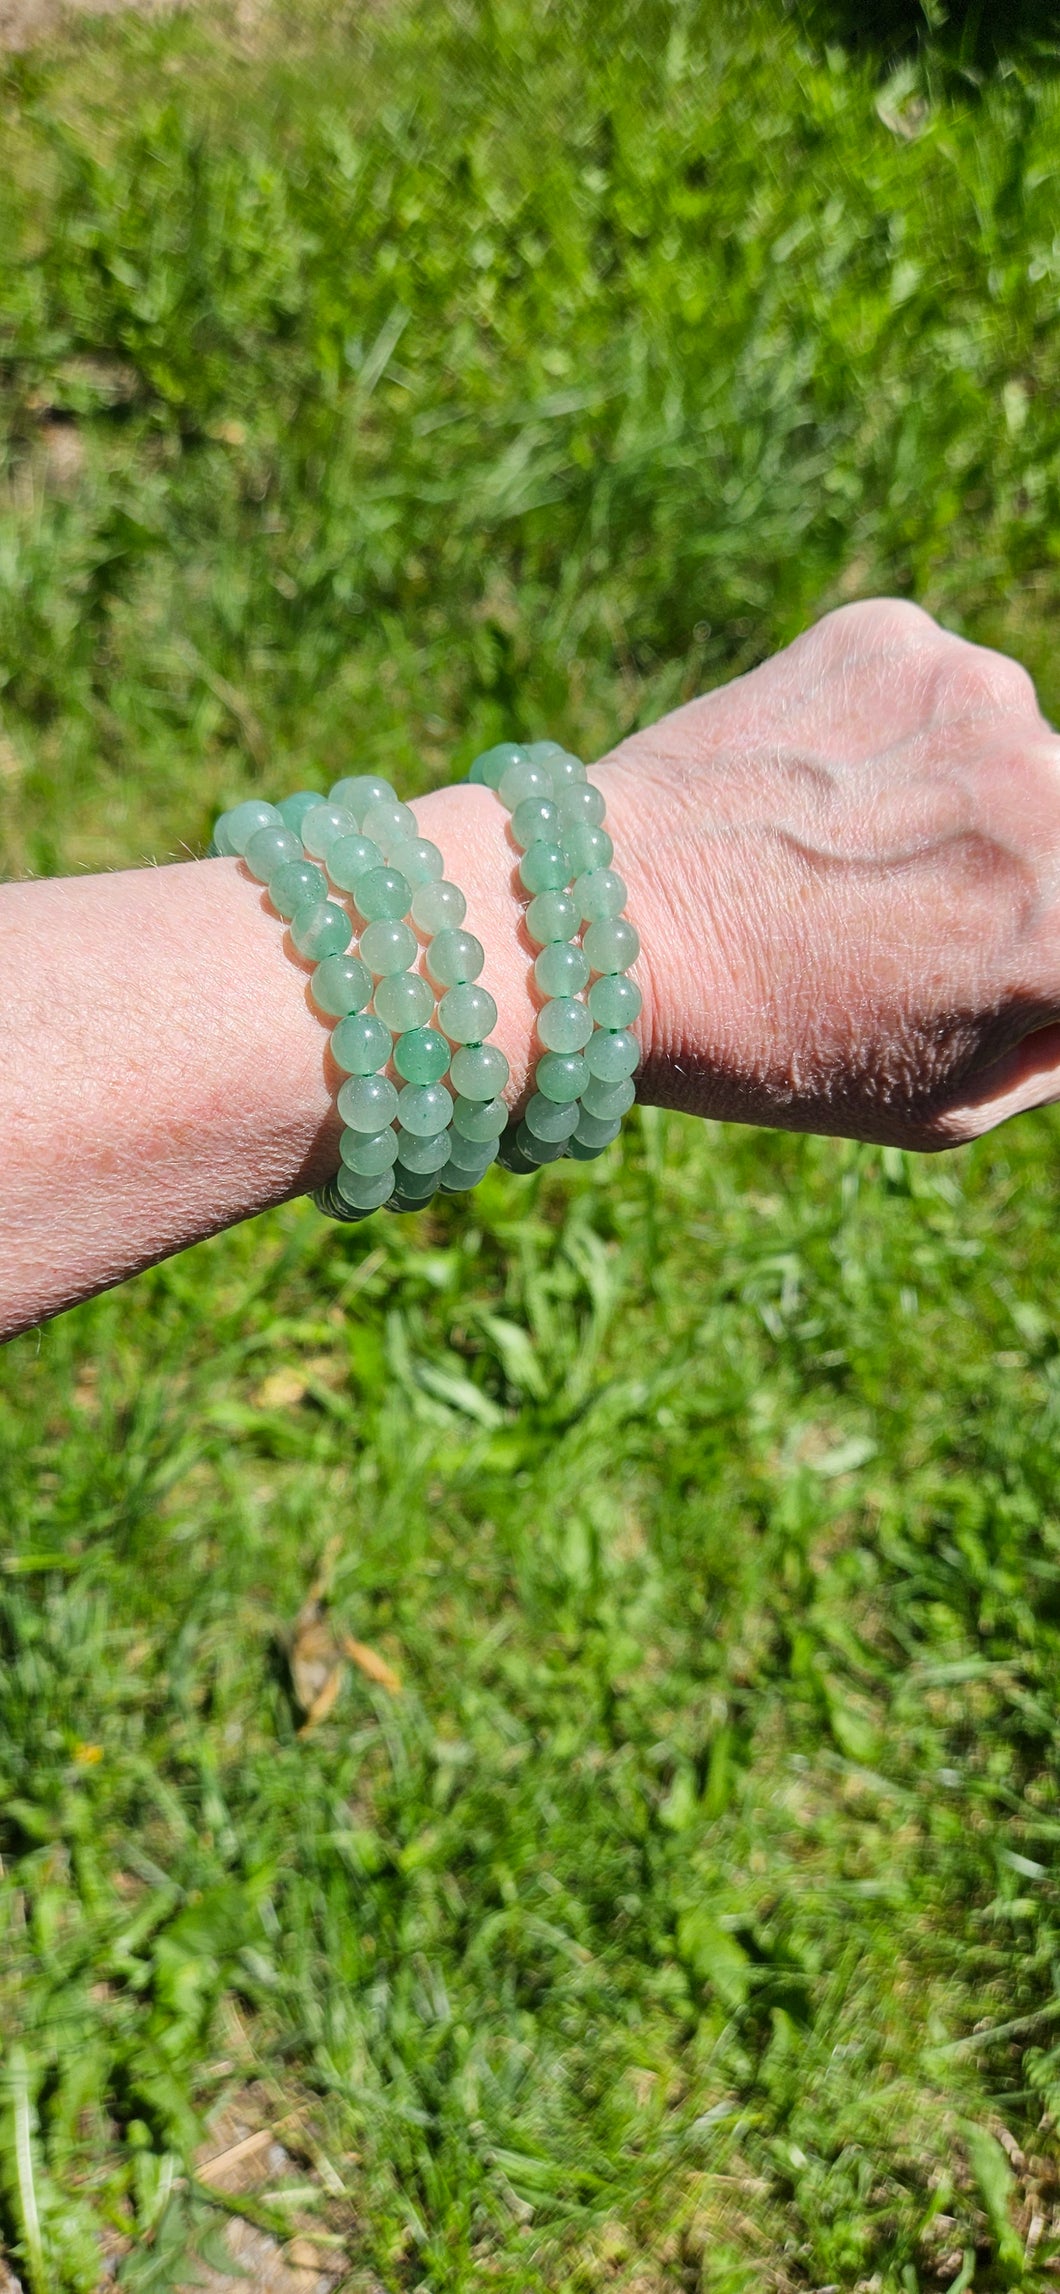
464 1171
542 751
424 1108
244 819
383 895
524 779
366 1190
613 945
367 1102
544 867
468 1014
350 858
615 1001
566 770
417 859
269 849
329 1200
359 790
341 984
403 1000
562 1076
536 817
369 1151
596 1130
551 1118
389 821
551 916
219 845
579 1153
421 1055
388 947
292 810
587 847
454 958
415 1187
612 1056
581 803
479 1071
422 1154
323 825
561 969
564 1024
324 929
490 767
538 1150
479 1120
361 1044
599 893
609 1099
435 907
297 884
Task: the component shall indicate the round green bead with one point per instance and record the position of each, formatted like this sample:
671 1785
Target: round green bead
403 1000
609 1099
536 817
581 802
388 947
383 895
566 770
454 958
479 1071
424 1108
415 1187
460 1173
421 1055
292 810
581 1154
551 1118
551 916
269 850
366 1190
613 945
245 819
369 1151
562 1076
388 821
324 824
297 884
356 791
422 1154
467 1014
542 751
367 1102
599 893
417 859
587 847
614 1001
321 930
510 1155
351 857
361 1044
596 1131
561 969
490 767
564 1024
612 1055
219 846
538 1150
478 1120
341 984
524 779
544 867
437 906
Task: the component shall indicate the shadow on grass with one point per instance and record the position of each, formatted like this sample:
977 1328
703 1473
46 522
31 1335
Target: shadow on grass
972 35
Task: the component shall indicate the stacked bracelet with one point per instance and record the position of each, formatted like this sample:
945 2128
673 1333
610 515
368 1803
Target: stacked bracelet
401 1138
438 1119
583 1079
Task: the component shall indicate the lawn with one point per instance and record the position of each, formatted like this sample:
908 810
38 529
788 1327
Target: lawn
551 1706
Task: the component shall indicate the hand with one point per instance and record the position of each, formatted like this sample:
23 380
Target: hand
845 869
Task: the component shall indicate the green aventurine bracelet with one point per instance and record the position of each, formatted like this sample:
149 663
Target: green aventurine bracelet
400 1139
583 1081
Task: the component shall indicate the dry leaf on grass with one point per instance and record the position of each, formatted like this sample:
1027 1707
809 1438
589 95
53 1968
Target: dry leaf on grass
370 1662
317 1659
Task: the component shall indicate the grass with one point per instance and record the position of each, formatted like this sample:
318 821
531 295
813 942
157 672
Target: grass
688 1917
